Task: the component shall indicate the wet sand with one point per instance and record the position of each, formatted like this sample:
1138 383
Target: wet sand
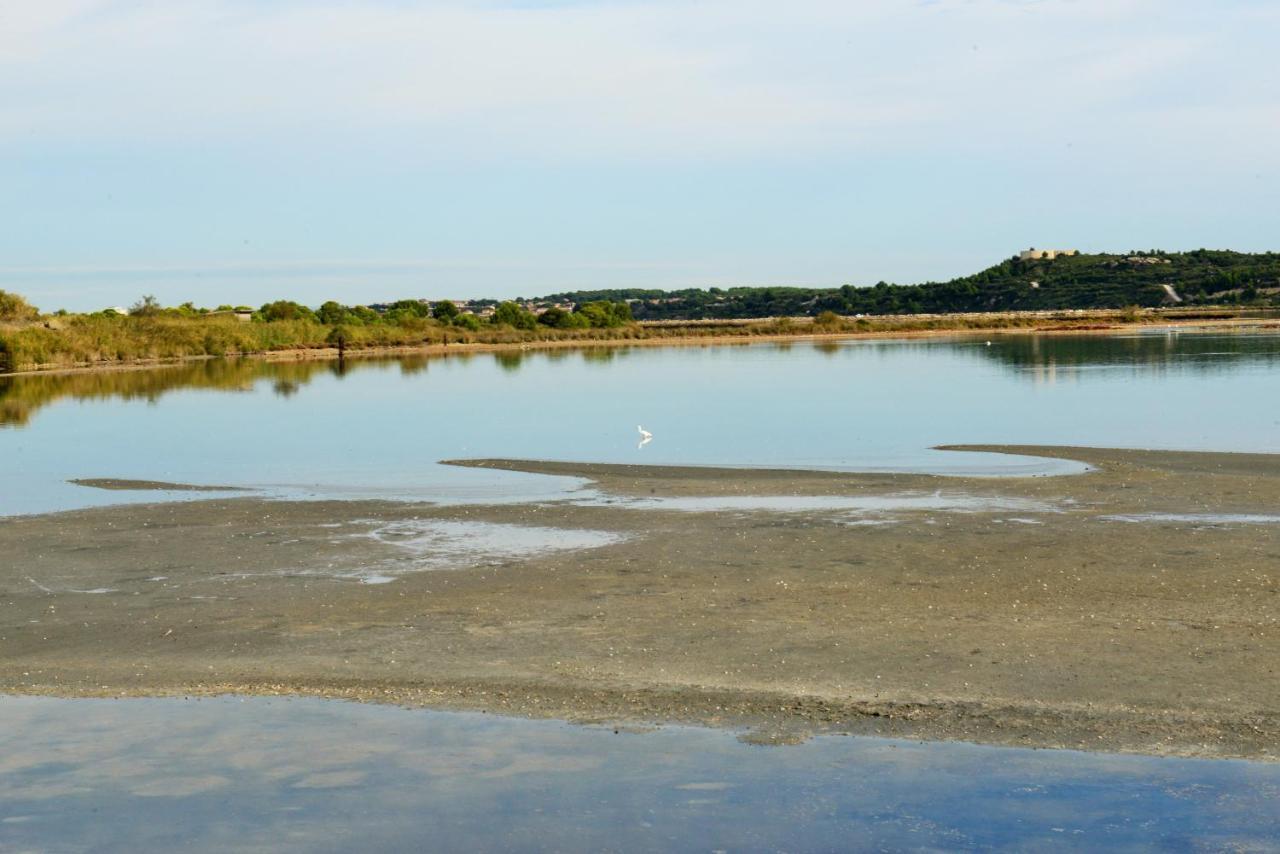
1132 608
123 485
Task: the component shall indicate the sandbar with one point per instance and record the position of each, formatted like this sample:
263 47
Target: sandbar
1135 607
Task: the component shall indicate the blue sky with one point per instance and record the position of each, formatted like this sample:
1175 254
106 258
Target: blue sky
235 151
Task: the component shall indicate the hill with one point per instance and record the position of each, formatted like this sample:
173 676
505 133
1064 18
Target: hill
1202 277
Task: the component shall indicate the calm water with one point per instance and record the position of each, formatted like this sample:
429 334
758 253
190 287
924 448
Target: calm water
261 774
378 428
265 774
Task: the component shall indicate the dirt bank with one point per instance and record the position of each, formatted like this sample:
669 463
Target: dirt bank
1133 608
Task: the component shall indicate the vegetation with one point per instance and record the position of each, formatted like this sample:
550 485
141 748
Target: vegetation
1202 277
153 332
1129 284
21 397
14 308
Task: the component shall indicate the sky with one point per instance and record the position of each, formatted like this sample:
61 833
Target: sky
238 151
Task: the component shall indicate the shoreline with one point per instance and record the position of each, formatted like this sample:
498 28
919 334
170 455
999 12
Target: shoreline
1033 615
1058 326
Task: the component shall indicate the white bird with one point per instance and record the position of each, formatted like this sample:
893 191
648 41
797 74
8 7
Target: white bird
645 436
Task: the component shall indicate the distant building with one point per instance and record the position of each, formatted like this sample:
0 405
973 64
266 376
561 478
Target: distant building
244 315
1034 254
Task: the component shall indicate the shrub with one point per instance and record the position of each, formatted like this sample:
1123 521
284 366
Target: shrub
512 314
827 319
445 311
286 310
148 306
15 307
602 314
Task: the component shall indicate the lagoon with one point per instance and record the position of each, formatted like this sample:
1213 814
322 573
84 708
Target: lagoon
377 428
259 774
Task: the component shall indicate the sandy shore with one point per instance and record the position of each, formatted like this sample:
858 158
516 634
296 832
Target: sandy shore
1133 608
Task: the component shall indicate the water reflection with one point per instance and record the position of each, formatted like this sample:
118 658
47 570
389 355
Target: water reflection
509 360
22 396
271 774
376 427
1048 358
1042 358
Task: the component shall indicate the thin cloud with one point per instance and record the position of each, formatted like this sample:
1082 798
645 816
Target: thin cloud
621 79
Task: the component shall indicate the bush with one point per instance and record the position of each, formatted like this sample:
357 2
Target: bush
827 320
148 306
553 317
330 312
286 310
14 307
414 307
445 311
602 314
512 314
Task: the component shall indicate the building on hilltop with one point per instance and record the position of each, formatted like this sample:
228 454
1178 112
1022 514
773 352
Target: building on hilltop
1034 254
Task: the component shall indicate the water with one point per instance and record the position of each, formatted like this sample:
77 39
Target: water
260 774
434 544
861 505
1204 519
378 428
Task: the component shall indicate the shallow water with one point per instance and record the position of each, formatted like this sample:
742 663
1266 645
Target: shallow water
857 505
436 544
1206 519
378 428
272 774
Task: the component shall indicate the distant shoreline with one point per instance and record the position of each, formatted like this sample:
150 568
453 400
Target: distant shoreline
732 331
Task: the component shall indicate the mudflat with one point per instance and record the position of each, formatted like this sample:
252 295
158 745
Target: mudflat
1131 608
122 485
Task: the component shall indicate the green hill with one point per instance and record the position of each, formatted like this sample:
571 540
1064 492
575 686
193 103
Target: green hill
1202 277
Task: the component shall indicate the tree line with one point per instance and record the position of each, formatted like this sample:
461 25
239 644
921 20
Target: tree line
1073 282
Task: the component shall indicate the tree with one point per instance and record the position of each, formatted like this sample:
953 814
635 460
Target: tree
364 314
410 307
15 307
445 311
511 314
602 314
286 310
331 313
553 316
148 306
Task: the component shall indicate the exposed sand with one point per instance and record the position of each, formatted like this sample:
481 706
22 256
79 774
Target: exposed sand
122 485
1133 608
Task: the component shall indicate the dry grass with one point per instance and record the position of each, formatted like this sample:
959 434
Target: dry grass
94 340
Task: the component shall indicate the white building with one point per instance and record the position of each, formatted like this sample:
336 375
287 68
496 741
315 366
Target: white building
1034 254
